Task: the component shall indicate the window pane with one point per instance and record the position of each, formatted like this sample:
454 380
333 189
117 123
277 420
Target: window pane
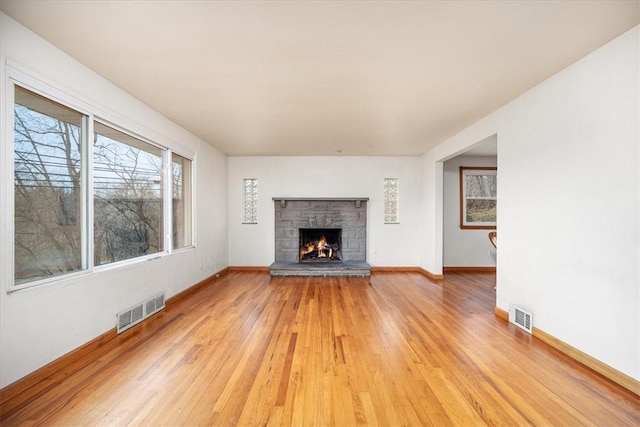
47 187
481 210
481 185
181 201
127 179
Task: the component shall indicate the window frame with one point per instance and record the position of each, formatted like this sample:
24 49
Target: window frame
16 77
165 247
189 204
471 170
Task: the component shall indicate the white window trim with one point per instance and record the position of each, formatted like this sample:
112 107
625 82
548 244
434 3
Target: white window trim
7 187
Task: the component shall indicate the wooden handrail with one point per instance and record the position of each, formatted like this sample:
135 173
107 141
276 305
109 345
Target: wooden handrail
493 238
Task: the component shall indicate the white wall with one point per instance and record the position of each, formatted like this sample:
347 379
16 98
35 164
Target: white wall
569 196
41 324
431 240
463 247
387 244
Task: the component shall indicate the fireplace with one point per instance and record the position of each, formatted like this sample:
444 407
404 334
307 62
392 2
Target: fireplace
320 244
320 237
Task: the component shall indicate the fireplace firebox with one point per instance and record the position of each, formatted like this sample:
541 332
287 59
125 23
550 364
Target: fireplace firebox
320 244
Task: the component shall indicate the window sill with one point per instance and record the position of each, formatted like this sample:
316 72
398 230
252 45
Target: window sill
71 278
478 227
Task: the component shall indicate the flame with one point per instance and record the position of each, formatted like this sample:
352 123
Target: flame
317 246
321 244
308 248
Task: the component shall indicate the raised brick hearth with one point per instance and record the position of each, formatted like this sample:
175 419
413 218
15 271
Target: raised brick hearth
347 214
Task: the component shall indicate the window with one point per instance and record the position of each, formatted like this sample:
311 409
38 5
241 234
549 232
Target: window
478 197
181 201
128 200
48 189
250 201
391 200
141 193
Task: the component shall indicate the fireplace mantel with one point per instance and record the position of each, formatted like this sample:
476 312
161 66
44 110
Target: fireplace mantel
362 199
283 200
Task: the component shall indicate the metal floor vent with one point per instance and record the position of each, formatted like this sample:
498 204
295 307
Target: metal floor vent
139 312
521 318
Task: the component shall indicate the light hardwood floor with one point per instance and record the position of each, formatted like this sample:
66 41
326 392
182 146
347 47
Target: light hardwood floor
393 349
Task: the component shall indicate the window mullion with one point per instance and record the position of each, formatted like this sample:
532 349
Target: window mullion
87 180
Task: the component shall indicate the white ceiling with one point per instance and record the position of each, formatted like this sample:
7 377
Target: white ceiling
327 77
486 147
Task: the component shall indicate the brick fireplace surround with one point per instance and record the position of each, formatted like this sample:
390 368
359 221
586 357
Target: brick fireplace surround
348 214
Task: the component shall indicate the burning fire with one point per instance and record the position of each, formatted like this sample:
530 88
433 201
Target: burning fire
319 246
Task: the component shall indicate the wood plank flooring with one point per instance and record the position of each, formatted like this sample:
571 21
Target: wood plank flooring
392 349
